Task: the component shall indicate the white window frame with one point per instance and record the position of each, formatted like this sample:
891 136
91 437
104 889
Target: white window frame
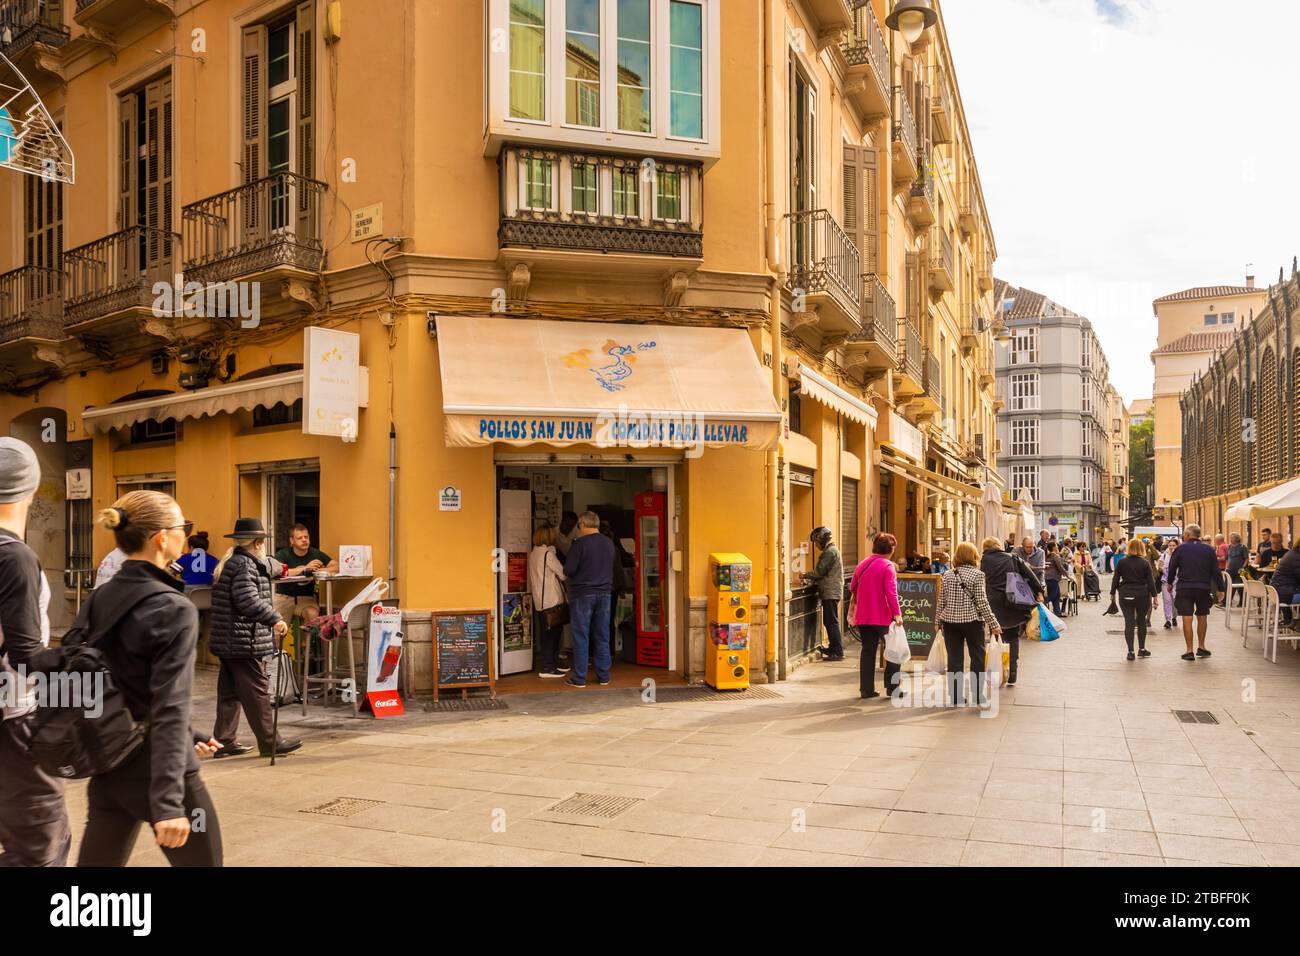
660 80
1087 441
1025 437
1025 477
1024 342
1025 392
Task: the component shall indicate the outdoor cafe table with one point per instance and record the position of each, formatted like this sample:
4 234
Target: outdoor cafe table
329 679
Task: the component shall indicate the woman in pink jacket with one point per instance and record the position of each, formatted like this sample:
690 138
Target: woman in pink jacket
875 585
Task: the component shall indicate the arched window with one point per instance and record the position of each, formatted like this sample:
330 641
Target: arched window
1293 413
1208 451
1269 419
1232 440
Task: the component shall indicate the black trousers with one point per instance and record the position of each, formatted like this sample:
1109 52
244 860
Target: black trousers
831 621
243 683
957 638
1011 637
119 803
548 644
34 828
1135 611
873 635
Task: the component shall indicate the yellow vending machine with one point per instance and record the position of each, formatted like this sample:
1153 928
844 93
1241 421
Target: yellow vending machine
726 659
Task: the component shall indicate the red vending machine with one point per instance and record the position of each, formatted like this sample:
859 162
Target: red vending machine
651 589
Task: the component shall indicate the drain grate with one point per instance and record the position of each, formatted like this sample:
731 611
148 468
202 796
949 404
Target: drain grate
672 695
473 703
343 807
604 805
1195 717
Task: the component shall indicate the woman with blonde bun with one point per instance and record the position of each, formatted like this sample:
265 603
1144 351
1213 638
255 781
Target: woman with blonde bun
147 629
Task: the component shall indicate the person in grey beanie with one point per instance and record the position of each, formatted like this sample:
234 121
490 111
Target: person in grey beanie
34 827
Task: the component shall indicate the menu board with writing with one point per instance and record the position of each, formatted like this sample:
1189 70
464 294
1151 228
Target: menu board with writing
462 650
918 599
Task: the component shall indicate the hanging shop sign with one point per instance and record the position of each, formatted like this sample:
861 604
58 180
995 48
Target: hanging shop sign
331 383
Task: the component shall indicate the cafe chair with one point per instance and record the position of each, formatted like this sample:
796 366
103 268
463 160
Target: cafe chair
1263 608
1231 591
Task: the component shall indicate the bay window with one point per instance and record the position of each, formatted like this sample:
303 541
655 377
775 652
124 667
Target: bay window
630 68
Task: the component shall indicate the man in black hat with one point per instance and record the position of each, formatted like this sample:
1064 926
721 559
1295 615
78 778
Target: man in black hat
246 629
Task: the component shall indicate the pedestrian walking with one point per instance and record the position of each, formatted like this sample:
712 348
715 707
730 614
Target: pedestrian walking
875 593
1012 617
589 570
828 575
153 629
1056 569
1238 555
1136 588
1194 577
245 631
546 586
1108 557
34 827
1035 556
964 612
1167 584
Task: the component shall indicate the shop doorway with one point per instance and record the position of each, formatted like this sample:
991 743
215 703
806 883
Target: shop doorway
636 506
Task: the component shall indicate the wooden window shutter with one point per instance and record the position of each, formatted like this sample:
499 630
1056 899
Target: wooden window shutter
853 195
870 210
254 97
126 176
306 132
158 175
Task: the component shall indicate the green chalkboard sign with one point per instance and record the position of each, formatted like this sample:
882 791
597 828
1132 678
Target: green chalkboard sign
918 599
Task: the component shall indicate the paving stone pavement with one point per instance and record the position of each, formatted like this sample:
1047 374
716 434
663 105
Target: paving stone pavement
1084 764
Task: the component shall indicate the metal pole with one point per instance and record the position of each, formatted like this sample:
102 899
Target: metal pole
392 510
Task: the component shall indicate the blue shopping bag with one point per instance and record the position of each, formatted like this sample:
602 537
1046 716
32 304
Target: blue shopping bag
1046 629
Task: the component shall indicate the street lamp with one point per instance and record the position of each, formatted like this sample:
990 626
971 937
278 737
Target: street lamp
911 18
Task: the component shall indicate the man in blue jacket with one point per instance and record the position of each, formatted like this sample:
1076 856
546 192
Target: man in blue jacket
1194 577
589 579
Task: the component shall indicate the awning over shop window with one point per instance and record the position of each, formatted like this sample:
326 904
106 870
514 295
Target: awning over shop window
832 396
533 381
238 396
940 485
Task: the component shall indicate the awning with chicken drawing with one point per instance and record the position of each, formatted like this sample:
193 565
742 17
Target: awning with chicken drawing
610 385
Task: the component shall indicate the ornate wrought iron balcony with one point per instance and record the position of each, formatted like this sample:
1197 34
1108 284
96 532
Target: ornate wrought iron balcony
596 202
933 381
879 314
942 270
31 304
941 110
27 22
911 353
117 273
826 264
271 223
904 138
867 55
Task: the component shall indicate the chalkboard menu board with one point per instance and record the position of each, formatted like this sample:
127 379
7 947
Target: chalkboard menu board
462 650
918 598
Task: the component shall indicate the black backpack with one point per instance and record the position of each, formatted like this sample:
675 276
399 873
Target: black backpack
66 741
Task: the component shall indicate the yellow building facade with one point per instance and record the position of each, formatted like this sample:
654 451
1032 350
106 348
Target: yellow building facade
732 257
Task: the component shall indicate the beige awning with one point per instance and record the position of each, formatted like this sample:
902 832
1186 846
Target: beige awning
939 484
1278 502
533 381
822 389
238 396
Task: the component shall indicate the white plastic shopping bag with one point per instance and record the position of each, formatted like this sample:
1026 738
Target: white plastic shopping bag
1056 621
997 659
937 661
896 649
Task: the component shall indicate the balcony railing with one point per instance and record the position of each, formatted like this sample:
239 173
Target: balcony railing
597 202
31 21
117 272
941 254
911 353
31 304
904 122
867 44
271 223
824 258
924 186
932 383
941 109
879 315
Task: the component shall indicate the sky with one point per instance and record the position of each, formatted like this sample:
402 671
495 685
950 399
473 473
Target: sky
1133 148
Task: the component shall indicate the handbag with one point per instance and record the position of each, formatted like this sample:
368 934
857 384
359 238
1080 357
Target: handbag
1019 593
557 615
